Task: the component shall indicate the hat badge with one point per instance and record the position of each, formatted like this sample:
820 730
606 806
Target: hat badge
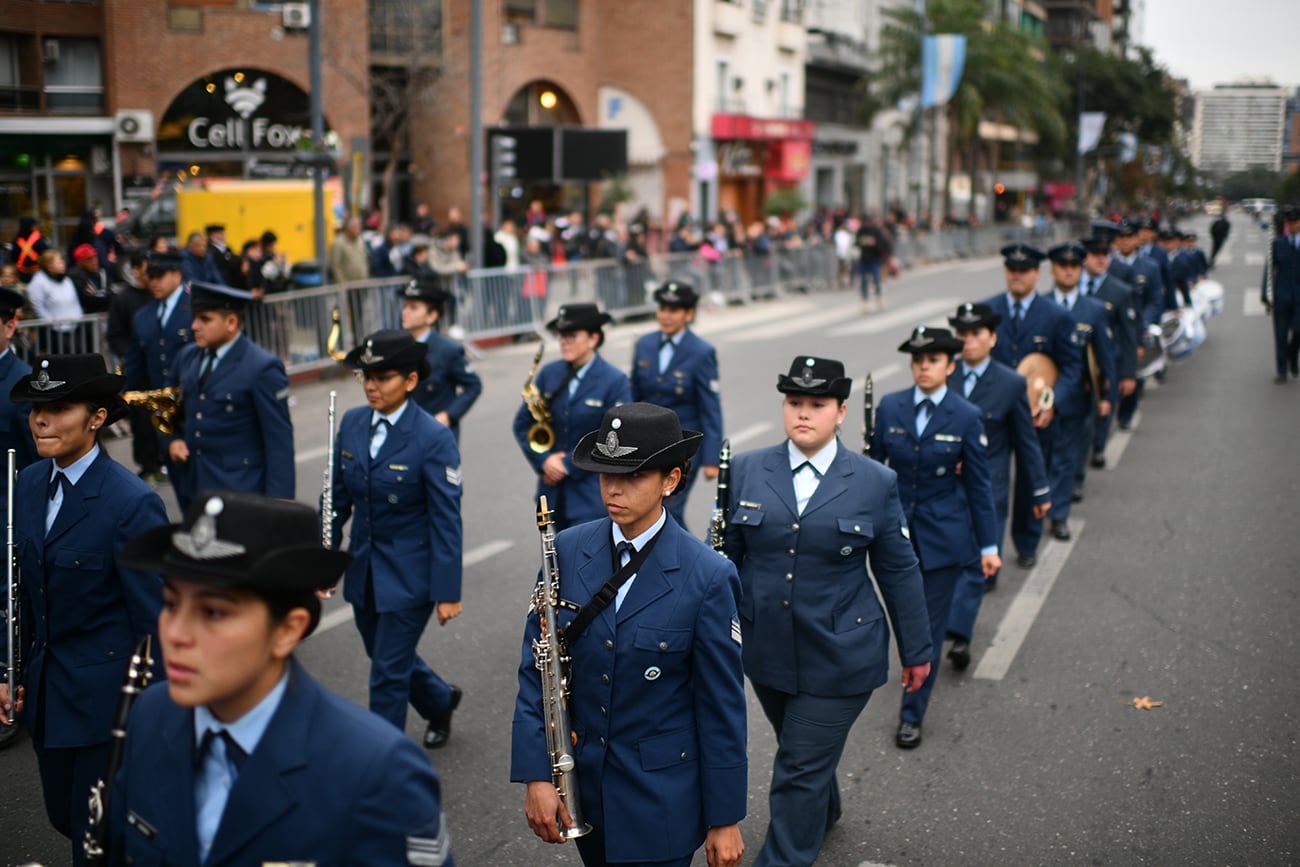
806 379
610 447
369 357
42 382
201 542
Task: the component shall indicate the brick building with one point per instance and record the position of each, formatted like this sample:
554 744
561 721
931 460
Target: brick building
101 100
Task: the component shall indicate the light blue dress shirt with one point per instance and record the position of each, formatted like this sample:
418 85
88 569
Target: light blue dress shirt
74 472
809 477
639 542
380 435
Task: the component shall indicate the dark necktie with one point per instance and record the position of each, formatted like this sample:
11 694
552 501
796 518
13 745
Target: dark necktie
809 465
59 481
162 308
1018 313
624 547
383 424
234 752
971 379
209 360
923 410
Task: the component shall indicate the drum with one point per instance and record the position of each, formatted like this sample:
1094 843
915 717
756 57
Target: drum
1208 298
1040 373
1153 352
1180 335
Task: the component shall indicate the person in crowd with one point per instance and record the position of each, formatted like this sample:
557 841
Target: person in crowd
1121 303
197 264
28 245
934 439
74 510
226 260
806 517
658 687
576 390
274 265
94 289
241 757
347 253
131 297
397 476
1280 293
388 259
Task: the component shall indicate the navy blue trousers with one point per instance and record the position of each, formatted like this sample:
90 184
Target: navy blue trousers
66 777
939 586
398 676
1026 530
1063 462
805 796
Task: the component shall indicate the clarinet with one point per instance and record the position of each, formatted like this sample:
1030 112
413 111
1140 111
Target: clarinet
13 613
327 483
721 501
868 416
138 673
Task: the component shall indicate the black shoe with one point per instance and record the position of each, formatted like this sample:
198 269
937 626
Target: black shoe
909 735
1076 496
1295 367
959 654
1279 380
991 585
1099 462
1125 426
1026 561
439 728
1061 531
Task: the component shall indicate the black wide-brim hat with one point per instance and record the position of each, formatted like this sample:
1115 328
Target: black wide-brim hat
427 288
815 376
635 437
72 379
925 340
1290 213
676 293
391 349
579 317
972 316
213 296
243 541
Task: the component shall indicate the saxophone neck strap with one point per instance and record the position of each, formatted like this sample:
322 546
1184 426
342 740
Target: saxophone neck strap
609 591
549 397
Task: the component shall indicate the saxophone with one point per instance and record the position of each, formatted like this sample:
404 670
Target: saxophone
552 661
541 436
163 403
721 501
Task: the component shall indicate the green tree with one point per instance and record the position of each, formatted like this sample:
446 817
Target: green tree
1251 184
1288 191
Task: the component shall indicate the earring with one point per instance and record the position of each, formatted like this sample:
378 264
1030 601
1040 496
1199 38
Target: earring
94 427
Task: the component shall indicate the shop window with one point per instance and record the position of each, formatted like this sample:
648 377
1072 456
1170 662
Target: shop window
404 30
760 11
556 14
74 82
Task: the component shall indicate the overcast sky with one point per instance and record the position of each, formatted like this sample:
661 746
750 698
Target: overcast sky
1218 41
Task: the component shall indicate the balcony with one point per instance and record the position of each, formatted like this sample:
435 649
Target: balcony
23 98
74 99
728 18
790 36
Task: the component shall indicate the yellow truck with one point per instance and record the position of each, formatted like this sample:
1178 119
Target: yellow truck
249 208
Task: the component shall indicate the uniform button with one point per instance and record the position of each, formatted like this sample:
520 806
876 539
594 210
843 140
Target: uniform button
609 645
76 562
683 756
857 528
392 499
859 619
789 576
663 645
198 433
604 712
785 603
794 527
199 416
791 552
744 519
198 451
602 742
604 678
916 448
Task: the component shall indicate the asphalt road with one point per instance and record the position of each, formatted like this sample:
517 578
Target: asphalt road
1179 586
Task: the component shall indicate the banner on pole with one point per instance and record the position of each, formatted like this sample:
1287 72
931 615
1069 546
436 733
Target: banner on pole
943 57
1090 126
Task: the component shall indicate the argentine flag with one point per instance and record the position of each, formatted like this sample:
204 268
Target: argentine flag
942 59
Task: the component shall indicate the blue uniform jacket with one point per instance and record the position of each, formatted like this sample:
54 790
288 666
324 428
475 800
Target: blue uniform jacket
155 348
808 613
603 386
943 477
1046 328
1286 274
1182 266
1160 256
1119 269
82 613
405 503
1092 326
658 695
1002 397
452 386
1148 290
15 427
689 387
328 784
237 426
1121 312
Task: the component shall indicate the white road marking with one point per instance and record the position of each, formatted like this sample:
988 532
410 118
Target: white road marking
472 557
309 455
879 375
792 325
748 433
977 266
1254 259
1251 305
1119 440
1024 609
900 319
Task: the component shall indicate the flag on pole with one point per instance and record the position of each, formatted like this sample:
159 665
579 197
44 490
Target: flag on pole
1090 126
1128 147
943 57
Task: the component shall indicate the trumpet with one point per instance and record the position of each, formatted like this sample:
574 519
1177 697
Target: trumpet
541 436
164 403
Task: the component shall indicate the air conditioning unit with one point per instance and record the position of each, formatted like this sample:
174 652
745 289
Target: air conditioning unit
133 125
297 16
51 49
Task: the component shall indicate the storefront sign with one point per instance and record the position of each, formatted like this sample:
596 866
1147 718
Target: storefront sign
740 159
787 161
742 126
239 110
834 148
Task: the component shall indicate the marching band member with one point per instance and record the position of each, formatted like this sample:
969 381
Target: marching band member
397 474
934 439
15 431
1280 293
236 434
658 710
1120 301
579 389
452 386
677 369
74 510
806 516
242 757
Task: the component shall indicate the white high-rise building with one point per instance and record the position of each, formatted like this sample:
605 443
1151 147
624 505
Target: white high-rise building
1238 127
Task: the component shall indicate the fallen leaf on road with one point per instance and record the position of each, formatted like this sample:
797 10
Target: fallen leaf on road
1145 703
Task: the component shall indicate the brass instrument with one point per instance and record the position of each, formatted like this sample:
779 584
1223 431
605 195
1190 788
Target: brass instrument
551 659
541 436
1040 373
138 674
335 337
868 416
721 501
164 403
13 613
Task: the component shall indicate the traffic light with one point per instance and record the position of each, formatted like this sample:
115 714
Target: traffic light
503 158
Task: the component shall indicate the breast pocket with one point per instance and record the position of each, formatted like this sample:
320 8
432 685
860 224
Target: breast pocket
747 517
855 535
663 640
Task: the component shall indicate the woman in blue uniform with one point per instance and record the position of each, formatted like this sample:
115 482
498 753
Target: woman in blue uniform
241 757
579 388
934 439
658 708
81 612
397 474
806 516
673 367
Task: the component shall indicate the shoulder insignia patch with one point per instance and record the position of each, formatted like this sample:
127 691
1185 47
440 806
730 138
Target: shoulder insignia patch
906 534
984 441
594 402
282 393
454 476
735 631
429 851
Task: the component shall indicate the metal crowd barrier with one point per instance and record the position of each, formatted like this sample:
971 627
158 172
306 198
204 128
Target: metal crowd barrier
38 337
